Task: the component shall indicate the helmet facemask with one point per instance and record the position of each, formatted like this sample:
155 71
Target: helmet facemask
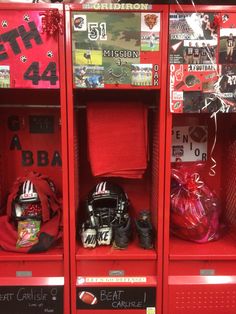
27 204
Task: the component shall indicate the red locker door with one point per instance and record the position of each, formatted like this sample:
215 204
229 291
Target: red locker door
199 268
33 139
115 60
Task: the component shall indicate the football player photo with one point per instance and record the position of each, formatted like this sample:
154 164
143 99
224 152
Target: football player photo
188 54
230 45
204 53
196 54
227 45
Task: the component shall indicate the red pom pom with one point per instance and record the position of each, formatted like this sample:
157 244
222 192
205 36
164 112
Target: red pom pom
216 22
52 22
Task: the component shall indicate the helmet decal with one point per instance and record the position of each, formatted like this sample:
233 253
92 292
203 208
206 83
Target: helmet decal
28 192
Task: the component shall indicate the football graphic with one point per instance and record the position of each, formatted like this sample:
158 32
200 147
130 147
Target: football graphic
198 133
87 297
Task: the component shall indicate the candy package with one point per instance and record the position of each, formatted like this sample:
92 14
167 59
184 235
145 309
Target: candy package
28 233
195 210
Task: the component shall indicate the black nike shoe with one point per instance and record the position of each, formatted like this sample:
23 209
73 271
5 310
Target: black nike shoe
122 234
145 230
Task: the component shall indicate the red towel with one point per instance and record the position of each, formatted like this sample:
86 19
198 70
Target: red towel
117 138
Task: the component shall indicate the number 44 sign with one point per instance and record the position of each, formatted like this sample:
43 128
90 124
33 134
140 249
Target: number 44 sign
189 143
28 57
49 73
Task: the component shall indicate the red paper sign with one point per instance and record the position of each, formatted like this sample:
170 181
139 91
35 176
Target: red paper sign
28 53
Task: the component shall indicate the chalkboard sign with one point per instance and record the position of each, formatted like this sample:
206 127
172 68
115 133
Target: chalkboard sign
115 297
31 299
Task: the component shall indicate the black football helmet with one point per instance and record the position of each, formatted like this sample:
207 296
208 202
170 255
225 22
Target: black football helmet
107 204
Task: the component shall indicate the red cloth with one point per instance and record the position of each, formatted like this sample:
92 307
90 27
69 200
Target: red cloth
117 138
9 235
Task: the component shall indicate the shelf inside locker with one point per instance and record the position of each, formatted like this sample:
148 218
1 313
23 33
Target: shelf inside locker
222 249
30 97
31 281
133 252
55 254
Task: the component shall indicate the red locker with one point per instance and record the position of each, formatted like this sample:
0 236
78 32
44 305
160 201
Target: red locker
33 138
201 276
131 278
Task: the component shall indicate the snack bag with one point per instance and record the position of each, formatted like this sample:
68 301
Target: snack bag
195 210
28 233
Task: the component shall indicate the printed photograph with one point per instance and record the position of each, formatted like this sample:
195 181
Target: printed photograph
89 76
150 41
200 51
206 102
150 22
115 48
141 74
193 51
80 22
227 46
190 26
88 57
4 76
193 39
227 83
193 101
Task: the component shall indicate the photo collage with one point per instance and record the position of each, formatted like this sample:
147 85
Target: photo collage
202 62
109 48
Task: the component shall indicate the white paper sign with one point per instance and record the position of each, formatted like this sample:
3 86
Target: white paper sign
189 143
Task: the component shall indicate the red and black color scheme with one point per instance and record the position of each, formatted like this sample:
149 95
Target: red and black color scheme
29 43
34 140
93 52
201 276
202 59
107 54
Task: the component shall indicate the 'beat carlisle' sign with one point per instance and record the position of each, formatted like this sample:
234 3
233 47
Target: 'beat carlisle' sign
31 299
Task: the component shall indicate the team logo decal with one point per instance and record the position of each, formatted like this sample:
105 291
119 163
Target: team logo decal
80 22
150 20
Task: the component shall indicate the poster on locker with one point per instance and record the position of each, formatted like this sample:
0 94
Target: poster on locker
190 85
29 51
227 60
193 41
109 48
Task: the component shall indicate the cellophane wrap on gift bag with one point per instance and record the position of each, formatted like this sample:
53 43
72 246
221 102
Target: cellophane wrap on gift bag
195 210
